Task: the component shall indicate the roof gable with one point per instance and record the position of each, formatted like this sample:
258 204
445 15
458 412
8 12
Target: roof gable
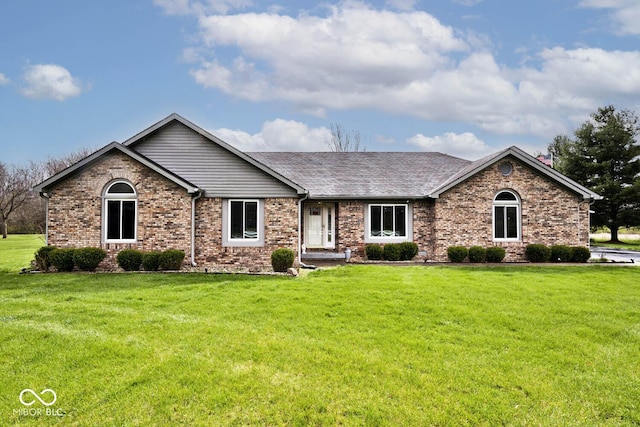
479 165
217 167
114 146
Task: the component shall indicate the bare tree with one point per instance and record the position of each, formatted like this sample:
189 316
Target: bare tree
342 141
27 210
52 165
15 186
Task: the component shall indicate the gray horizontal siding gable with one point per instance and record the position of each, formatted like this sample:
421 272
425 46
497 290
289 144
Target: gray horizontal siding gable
213 168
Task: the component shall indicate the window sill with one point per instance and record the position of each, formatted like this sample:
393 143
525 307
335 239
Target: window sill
377 239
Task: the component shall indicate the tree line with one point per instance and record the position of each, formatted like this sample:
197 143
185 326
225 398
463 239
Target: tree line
22 210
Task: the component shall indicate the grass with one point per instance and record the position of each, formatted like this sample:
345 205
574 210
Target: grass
626 244
357 345
629 239
17 251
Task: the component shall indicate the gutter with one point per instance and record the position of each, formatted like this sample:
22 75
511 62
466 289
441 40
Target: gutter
197 195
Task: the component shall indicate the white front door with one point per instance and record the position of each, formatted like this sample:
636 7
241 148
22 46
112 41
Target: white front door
319 226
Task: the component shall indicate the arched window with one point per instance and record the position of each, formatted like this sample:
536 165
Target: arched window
506 216
120 212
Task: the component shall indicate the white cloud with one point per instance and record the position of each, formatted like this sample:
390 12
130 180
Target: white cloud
50 81
354 56
625 14
278 135
342 60
4 80
465 145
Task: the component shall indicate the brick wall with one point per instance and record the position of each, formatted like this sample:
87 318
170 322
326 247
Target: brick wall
164 218
424 227
550 214
461 216
280 231
350 228
75 209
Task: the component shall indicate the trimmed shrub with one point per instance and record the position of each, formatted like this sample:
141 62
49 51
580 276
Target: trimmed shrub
42 258
87 259
537 253
580 254
151 261
408 250
495 254
374 252
457 253
561 253
391 252
477 254
129 259
171 259
282 259
62 259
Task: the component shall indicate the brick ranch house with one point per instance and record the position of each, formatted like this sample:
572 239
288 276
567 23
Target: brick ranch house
175 185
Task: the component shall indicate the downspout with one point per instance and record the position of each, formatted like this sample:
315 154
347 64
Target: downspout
300 218
591 202
579 219
46 197
198 194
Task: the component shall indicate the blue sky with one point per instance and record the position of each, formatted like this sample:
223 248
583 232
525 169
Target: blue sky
465 77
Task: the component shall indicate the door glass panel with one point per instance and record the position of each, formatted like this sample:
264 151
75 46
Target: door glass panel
314 227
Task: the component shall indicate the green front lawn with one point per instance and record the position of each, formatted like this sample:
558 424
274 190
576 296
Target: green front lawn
17 251
356 345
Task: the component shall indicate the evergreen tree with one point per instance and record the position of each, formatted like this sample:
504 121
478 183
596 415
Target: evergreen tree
605 157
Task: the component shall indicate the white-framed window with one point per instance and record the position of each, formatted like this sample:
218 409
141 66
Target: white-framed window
506 216
387 222
242 222
120 213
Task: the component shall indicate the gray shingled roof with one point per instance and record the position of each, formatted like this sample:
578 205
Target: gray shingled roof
364 174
